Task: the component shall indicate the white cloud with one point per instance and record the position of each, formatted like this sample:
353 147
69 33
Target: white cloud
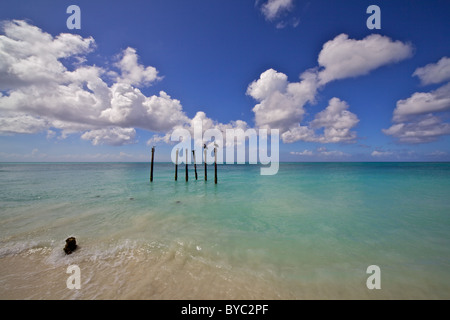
280 102
298 132
112 136
201 122
336 121
343 57
38 92
157 139
423 102
129 107
30 56
434 72
422 129
21 123
417 119
134 73
274 8
303 153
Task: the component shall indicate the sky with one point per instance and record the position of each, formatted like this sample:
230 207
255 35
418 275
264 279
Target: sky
135 71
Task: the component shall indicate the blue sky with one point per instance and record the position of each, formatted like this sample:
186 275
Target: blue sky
136 70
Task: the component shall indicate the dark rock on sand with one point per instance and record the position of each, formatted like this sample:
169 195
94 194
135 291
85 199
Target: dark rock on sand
71 245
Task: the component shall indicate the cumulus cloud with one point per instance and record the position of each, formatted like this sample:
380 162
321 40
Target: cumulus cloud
38 91
423 102
418 119
421 129
297 133
343 57
281 104
336 121
134 73
115 136
434 72
199 124
29 56
21 123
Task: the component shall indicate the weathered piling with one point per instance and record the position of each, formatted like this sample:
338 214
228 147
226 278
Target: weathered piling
176 166
187 176
195 164
151 166
215 165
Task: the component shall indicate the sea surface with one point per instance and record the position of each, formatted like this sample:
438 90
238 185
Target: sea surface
309 232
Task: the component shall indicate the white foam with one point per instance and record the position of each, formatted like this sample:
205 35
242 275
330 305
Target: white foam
20 247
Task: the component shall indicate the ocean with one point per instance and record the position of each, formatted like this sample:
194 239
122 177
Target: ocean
309 232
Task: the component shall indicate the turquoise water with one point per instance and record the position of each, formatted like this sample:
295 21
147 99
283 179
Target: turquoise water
309 231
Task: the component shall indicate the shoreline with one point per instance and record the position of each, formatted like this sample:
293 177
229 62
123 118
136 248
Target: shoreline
143 274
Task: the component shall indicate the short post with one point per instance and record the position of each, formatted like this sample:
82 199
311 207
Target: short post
151 166
195 164
206 171
176 166
215 165
187 177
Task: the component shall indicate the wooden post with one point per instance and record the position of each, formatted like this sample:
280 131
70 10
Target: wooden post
187 178
206 171
176 166
215 165
151 167
195 164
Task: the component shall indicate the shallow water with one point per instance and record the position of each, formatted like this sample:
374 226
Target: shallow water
308 232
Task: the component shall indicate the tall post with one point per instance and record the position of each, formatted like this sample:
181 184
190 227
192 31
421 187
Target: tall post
195 164
206 171
215 165
176 166
187 177
151 166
